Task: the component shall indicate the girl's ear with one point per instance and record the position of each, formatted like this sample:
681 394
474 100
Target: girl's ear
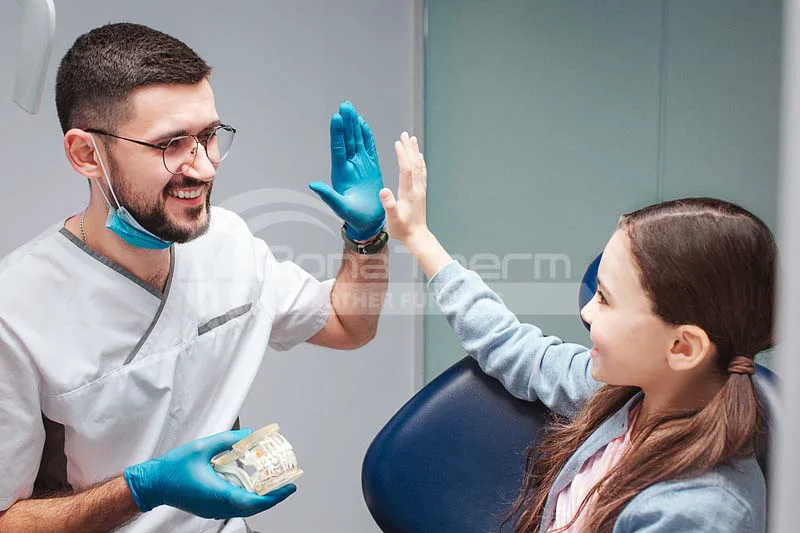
690 349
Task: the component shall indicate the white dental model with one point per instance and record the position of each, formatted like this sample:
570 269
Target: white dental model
261 462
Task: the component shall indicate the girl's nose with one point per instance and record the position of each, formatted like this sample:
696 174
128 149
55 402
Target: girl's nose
586 312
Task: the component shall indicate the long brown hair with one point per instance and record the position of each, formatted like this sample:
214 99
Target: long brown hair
701 261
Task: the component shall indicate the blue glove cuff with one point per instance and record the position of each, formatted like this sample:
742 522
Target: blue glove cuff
130 475
364 234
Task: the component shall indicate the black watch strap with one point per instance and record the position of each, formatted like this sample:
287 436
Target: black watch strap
372 247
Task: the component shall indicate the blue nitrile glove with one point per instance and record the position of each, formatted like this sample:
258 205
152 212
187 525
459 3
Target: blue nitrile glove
355 175
184 478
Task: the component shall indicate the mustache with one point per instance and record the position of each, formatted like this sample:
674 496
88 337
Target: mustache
186 183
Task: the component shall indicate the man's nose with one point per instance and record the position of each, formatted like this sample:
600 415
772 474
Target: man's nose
201 168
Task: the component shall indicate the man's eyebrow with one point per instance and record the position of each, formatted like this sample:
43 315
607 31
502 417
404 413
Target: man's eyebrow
179 133
212 125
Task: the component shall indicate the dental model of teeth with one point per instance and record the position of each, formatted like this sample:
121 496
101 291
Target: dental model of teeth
261 462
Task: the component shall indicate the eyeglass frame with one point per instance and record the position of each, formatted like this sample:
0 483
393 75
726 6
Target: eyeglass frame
163 147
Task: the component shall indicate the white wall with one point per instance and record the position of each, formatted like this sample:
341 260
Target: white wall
281 68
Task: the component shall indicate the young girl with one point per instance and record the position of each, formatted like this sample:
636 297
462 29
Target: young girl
663 418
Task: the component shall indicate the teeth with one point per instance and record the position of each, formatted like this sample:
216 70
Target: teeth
186 194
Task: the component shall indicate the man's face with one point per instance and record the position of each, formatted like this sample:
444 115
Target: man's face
141 182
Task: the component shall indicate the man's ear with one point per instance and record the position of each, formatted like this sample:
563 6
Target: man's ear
81 154
691 348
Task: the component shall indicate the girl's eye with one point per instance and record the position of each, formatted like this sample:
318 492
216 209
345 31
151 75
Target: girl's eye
601 298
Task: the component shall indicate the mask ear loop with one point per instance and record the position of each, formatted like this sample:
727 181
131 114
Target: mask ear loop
105 175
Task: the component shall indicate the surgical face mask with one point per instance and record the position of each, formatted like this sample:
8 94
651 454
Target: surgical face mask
122 223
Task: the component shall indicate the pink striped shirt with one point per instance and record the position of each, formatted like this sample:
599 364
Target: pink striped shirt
592 471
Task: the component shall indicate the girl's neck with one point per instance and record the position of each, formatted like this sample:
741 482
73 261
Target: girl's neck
679 397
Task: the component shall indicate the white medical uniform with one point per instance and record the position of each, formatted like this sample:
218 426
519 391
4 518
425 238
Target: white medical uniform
131 373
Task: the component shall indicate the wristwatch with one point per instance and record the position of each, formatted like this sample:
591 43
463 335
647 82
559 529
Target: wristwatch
365 248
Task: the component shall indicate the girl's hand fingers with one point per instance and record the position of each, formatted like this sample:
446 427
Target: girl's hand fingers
388 201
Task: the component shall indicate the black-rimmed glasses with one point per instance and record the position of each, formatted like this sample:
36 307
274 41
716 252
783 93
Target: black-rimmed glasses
179 152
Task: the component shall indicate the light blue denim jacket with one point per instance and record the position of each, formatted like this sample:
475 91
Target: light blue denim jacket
532 366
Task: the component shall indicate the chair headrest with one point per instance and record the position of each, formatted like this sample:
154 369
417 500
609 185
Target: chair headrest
588 286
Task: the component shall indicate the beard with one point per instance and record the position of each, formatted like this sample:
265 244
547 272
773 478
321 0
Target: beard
152 213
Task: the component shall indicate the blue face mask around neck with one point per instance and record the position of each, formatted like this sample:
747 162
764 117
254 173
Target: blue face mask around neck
123 224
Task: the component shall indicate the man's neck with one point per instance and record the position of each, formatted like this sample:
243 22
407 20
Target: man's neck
151 266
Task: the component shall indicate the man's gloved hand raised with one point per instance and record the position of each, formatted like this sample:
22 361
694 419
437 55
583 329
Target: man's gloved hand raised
355 175
184 478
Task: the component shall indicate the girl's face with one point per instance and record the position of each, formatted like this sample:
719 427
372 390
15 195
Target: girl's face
631 343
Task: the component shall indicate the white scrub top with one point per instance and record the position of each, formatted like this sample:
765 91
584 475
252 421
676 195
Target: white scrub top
108 372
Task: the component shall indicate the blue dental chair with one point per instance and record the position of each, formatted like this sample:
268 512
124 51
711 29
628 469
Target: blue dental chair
451 460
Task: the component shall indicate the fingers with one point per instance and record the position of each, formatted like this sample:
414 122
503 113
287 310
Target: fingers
411 147
420 174
369 140
404 164
250 503
388 201
358 133
350 119
414 145
413 171
338 149
403 161
278 495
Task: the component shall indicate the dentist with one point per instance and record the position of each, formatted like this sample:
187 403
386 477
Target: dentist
125 375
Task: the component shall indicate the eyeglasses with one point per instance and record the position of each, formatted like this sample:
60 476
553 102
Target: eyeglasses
179 152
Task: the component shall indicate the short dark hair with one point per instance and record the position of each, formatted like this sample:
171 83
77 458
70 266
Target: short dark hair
104 66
